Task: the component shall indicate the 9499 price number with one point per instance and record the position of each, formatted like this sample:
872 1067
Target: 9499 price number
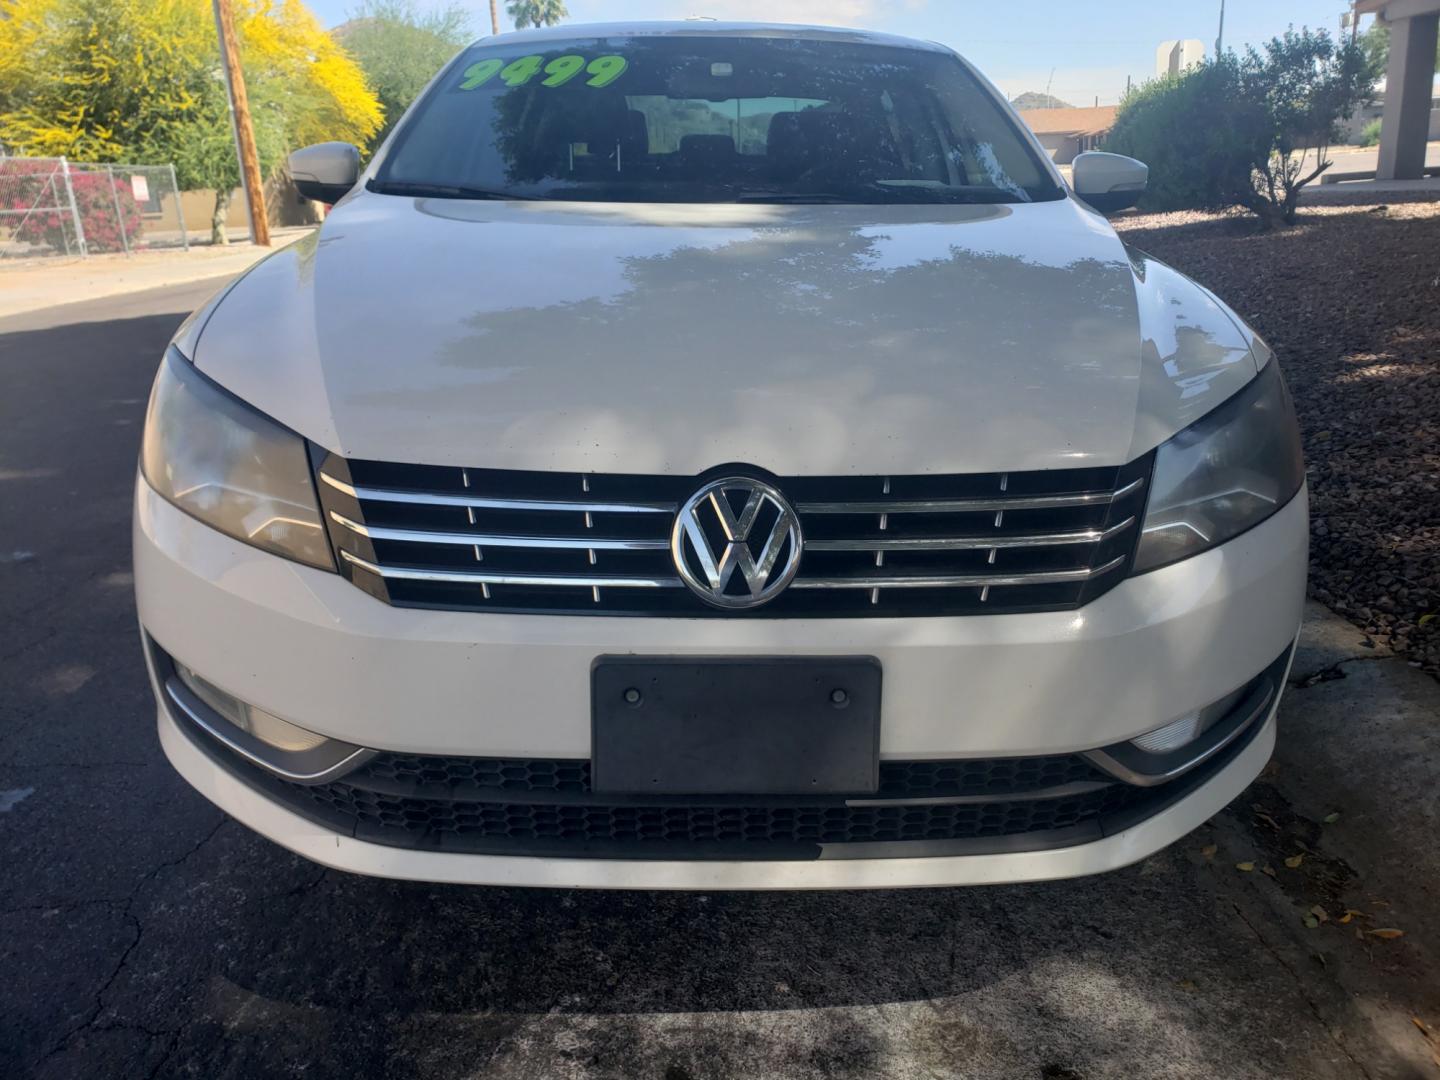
603 71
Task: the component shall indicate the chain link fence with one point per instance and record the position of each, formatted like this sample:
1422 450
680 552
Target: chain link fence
51 206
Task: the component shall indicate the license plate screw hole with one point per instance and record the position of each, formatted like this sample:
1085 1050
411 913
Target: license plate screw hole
839 698
632 696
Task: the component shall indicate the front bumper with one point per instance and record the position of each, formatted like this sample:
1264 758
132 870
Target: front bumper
329 848
308 646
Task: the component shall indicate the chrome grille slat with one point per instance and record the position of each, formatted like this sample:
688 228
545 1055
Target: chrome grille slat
970 543
953 581
462 539
487 577
968 506
482 502
876 546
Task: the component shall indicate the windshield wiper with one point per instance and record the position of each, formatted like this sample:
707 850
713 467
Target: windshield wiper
889 194
793 197
444 191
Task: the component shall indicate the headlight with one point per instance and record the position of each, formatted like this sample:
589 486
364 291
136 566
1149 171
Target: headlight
1225 473
231 467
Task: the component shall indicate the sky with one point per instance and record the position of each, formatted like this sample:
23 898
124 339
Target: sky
1091 45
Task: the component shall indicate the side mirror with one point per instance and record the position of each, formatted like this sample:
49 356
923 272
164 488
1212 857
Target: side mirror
1108 182
325 171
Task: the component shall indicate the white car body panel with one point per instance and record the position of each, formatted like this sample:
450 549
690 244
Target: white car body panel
820 340
494 685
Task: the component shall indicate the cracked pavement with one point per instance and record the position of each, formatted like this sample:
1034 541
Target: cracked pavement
143 934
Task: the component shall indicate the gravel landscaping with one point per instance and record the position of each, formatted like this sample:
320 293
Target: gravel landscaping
1348 299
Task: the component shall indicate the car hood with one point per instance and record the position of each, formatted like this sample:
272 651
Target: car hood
675 338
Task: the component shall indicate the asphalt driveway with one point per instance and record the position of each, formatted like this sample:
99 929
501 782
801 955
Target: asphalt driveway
144 934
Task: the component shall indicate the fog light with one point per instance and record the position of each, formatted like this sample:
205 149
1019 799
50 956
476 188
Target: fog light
1186 729
1174 734
266 727
1174 748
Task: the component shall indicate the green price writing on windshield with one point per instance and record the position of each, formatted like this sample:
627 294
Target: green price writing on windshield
606 70
603 71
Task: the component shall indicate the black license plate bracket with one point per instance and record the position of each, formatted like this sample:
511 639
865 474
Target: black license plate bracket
735 726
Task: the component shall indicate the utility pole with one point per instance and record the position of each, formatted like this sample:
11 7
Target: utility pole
494 18
1220 37
240 118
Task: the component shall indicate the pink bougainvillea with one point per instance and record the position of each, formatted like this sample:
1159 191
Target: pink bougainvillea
41 185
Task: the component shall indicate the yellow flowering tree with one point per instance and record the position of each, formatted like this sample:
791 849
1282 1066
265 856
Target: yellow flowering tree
301 71
88 78
140 80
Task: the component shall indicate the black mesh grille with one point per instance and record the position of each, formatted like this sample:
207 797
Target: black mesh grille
539 806
476 825
411 772
1088 520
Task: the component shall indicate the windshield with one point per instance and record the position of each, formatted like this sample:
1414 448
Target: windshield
712 119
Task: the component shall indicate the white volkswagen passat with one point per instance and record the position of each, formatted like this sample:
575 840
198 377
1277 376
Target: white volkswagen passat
716 456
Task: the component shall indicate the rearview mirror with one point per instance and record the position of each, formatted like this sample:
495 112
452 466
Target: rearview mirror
325 171
1108 182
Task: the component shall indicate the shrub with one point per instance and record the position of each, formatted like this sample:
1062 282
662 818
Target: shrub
1370 133
1170 124
28 183
1237 131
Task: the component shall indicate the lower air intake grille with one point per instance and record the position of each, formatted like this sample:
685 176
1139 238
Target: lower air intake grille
547 807
496 826
490 540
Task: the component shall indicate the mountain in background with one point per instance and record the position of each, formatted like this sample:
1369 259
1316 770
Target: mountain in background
1032 99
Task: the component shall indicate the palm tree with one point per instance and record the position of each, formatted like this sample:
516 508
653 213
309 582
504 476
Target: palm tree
536 12
494 18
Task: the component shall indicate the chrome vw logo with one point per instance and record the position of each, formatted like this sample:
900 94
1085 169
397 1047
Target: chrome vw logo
736 542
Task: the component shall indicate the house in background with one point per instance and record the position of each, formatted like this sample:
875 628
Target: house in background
1067 132
1352 128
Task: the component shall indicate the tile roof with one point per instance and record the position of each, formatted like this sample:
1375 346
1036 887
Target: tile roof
1091 121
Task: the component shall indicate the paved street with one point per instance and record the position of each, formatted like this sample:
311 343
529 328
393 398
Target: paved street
143 934
1367 158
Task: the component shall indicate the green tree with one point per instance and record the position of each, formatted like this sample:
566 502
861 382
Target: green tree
1256 128
1295 91
140 81
400 49
201 145
536 12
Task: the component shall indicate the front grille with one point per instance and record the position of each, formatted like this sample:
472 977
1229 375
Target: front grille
530 806
491 540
